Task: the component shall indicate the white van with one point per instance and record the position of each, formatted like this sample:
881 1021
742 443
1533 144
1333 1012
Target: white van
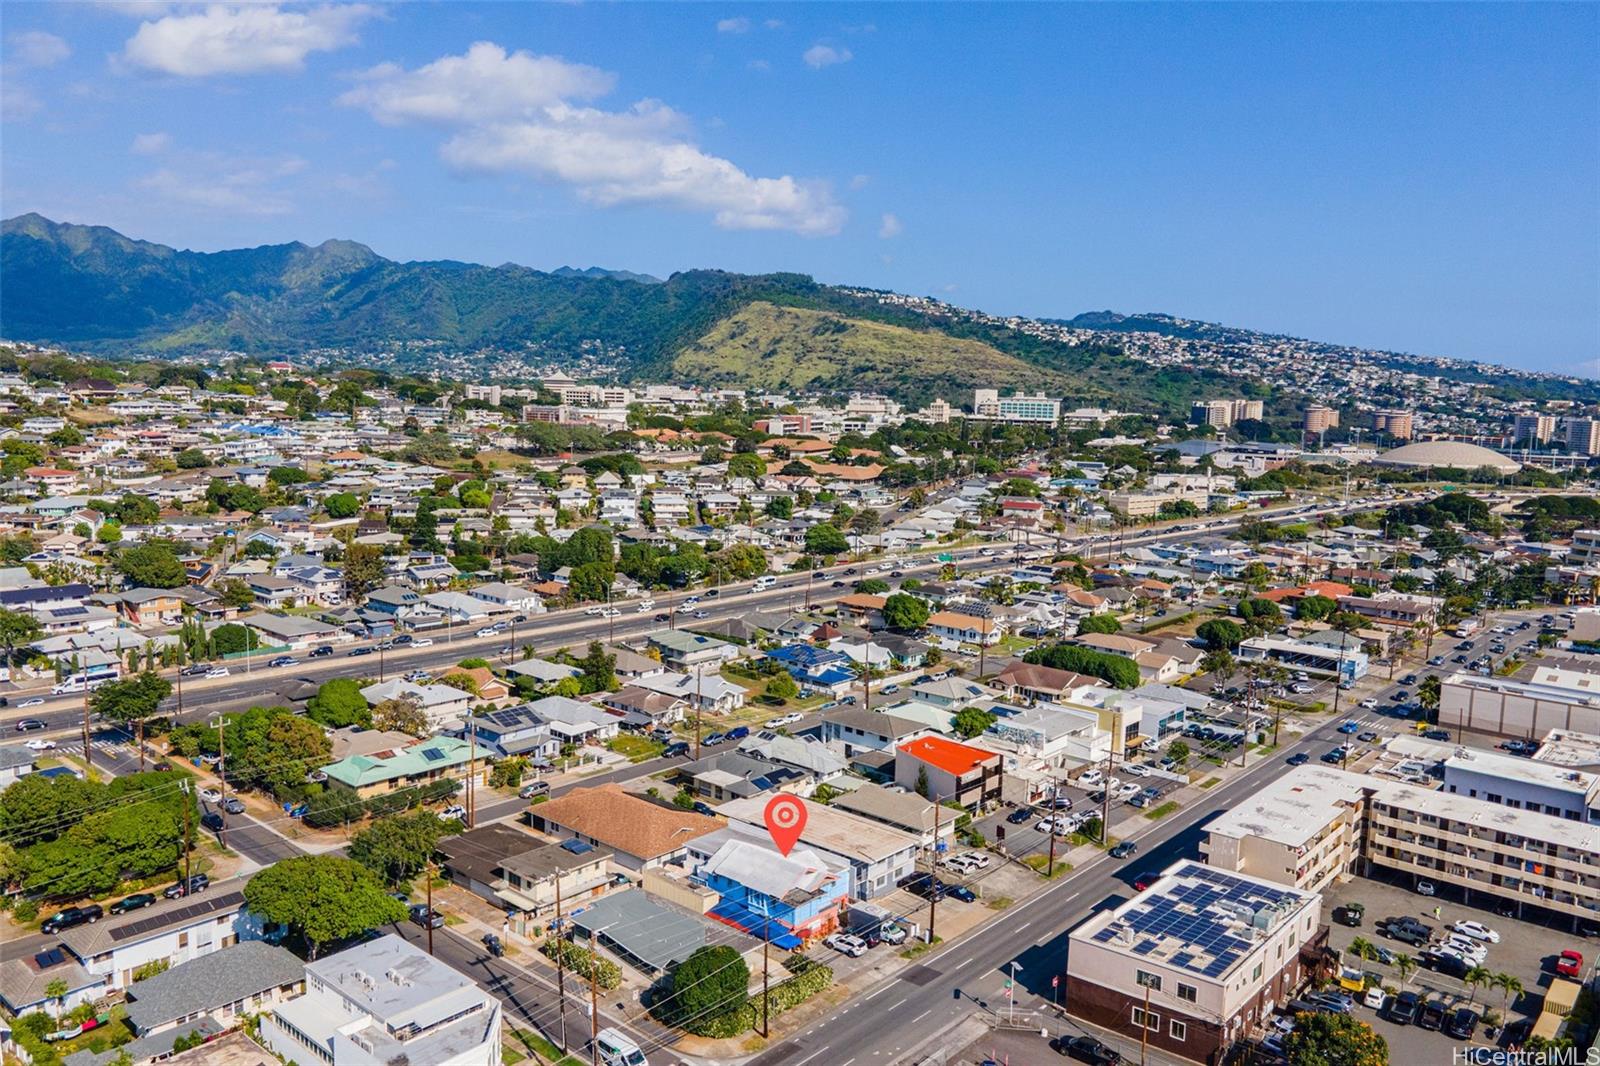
617 1050
764 582
70 685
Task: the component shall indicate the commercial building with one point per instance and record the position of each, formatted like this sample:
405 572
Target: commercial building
1554 699
1220 414
1302 830
947 770
1021 407
386 1001
1583 436
1196 961
1320 418
1395 423
1533 430
1348 663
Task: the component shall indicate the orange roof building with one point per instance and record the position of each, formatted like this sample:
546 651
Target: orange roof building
944 769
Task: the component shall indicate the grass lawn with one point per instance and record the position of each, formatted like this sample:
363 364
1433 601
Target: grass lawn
919 948
1211 782
635 748
1041 862
542 1048
1162 811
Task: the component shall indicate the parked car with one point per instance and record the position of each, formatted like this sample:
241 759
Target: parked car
1145 880
1086 1049
71 916
1462 1023
846 944
711 740
1569 963
1375 998
210 795
234 805
196 884
672 751
534 788
1431 1016
1425 888
1403 1009
426 916
784 719
1020 816
738 732
1476 930
137 901
213 821
453 813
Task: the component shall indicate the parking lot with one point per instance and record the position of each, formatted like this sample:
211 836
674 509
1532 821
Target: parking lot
1525 950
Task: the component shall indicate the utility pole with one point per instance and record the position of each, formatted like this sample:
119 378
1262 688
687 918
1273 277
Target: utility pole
594 1002
472 769
561 968
699 694
933 876
88 761
222 776
1105 797
1050 867
187 803
1144 1027
766 941
428 918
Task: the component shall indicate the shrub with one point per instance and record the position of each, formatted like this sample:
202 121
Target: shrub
580 960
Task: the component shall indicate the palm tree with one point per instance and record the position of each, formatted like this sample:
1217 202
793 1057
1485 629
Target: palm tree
57 990
1406 965
1363 949
1475 976
1510 984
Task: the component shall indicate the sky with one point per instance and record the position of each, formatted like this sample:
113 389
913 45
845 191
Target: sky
1419 177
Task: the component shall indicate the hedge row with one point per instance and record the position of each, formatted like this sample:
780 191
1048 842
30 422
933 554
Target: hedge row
579 959
337 805
785 995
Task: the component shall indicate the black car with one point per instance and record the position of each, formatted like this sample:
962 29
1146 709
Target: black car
1462 1023
197 670
29 725
321 651
406 638
672 751
1020 816
70 917
1299 758
1124 849
1431 1016
212 820
1085 1049
1403 1008
1336 755
662 617
961 892
197 883
710 594
132 903
701 807
358 651
1452 965
282 660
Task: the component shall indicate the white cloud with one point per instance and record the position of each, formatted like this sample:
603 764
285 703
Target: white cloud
251 39
227 185
525 114
860 181
773 24
150 143
17 104
733 25
825 55
484 84
35 48
890 226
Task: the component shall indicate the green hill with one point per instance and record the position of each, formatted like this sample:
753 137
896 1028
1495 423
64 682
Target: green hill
765 346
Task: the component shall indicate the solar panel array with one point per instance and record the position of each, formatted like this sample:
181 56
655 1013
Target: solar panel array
432 754
178 915
1195 911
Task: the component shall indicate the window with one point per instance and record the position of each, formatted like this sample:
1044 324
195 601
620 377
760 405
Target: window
1187 992
1256 975
1151 1021
1152 981
1180 1031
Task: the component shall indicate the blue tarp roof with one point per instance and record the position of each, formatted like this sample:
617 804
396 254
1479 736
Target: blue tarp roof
757 925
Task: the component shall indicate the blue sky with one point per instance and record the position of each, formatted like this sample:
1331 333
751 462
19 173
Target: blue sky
1422 177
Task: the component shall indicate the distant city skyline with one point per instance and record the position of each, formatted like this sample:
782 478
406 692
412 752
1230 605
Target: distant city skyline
1416 178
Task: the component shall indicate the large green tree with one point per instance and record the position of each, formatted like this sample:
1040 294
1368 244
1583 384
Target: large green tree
824 538
397 848
904 611
1118 670
971 721
325 898
712 981
152 565
363 569
1220 633
1100 623
132 701
339 703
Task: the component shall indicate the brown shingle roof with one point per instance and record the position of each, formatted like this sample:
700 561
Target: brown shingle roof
623 822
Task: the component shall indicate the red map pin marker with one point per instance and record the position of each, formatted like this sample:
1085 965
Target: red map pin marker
786 820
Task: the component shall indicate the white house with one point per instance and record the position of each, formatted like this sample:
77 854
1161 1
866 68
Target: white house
386 1001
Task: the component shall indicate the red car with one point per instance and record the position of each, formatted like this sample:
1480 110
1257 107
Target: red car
1569 964
1144 881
